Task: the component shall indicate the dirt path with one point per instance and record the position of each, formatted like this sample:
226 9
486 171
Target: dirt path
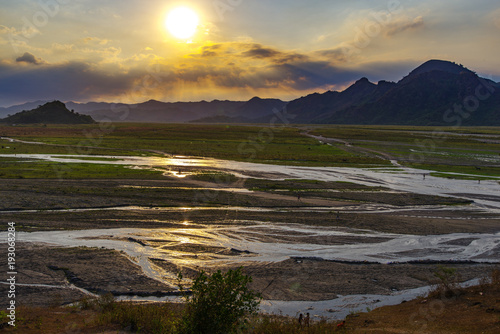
350 148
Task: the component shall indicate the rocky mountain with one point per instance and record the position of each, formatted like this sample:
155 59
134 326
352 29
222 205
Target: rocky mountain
50 113
316 108
435 93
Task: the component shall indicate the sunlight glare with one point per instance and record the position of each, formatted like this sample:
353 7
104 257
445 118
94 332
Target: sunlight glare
182 22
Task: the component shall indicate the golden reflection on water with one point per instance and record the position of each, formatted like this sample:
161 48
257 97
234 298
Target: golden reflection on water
180 161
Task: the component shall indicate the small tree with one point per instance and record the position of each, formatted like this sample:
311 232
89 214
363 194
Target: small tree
218 302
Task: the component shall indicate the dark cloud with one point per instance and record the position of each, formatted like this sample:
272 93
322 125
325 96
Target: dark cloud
315 74
297 75
277 72
402 25
210 50
338 54
69 81
389 70
207 53
29 58
258 51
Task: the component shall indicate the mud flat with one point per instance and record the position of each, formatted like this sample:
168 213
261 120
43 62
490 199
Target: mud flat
49 276
53 276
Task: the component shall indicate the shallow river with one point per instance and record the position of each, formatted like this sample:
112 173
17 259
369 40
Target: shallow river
485 194
272 243
266 243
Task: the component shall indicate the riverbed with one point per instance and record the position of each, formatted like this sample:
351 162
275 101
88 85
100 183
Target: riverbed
291 250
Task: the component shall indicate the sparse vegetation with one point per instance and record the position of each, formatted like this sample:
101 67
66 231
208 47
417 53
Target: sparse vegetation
218 303
215 177
448 286
475 310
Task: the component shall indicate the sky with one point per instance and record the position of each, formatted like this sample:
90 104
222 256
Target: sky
121 51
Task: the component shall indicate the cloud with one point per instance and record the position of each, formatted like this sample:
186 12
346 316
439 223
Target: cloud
315 74
210 50
254 66
68 81
30 59
495 18
336 54
403 24
95 40
257 51
255 69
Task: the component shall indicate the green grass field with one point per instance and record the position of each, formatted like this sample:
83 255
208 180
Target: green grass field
242 143
12 168
468 150
474 151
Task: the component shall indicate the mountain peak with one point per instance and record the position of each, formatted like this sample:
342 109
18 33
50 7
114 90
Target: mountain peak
362 81
255 98
437 65
360 86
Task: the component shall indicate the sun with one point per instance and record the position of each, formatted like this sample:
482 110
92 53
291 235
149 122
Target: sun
182 22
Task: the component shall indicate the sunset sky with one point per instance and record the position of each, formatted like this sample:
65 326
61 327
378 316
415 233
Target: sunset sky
121 51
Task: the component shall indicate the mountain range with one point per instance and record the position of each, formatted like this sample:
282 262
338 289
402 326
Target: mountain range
437 92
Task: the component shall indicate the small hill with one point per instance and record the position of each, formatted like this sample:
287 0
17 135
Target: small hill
50 113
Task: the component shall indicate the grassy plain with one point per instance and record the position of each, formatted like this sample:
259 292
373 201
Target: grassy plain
474 151
468 150
15 168
243 143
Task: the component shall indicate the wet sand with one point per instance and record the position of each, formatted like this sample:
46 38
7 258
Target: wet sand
60 270
100 271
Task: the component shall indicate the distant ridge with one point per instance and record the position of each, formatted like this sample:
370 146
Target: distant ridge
50 113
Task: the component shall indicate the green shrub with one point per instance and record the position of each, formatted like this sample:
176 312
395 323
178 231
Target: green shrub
218 302
448 285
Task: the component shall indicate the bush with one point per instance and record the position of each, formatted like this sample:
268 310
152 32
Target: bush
218 302
449 285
